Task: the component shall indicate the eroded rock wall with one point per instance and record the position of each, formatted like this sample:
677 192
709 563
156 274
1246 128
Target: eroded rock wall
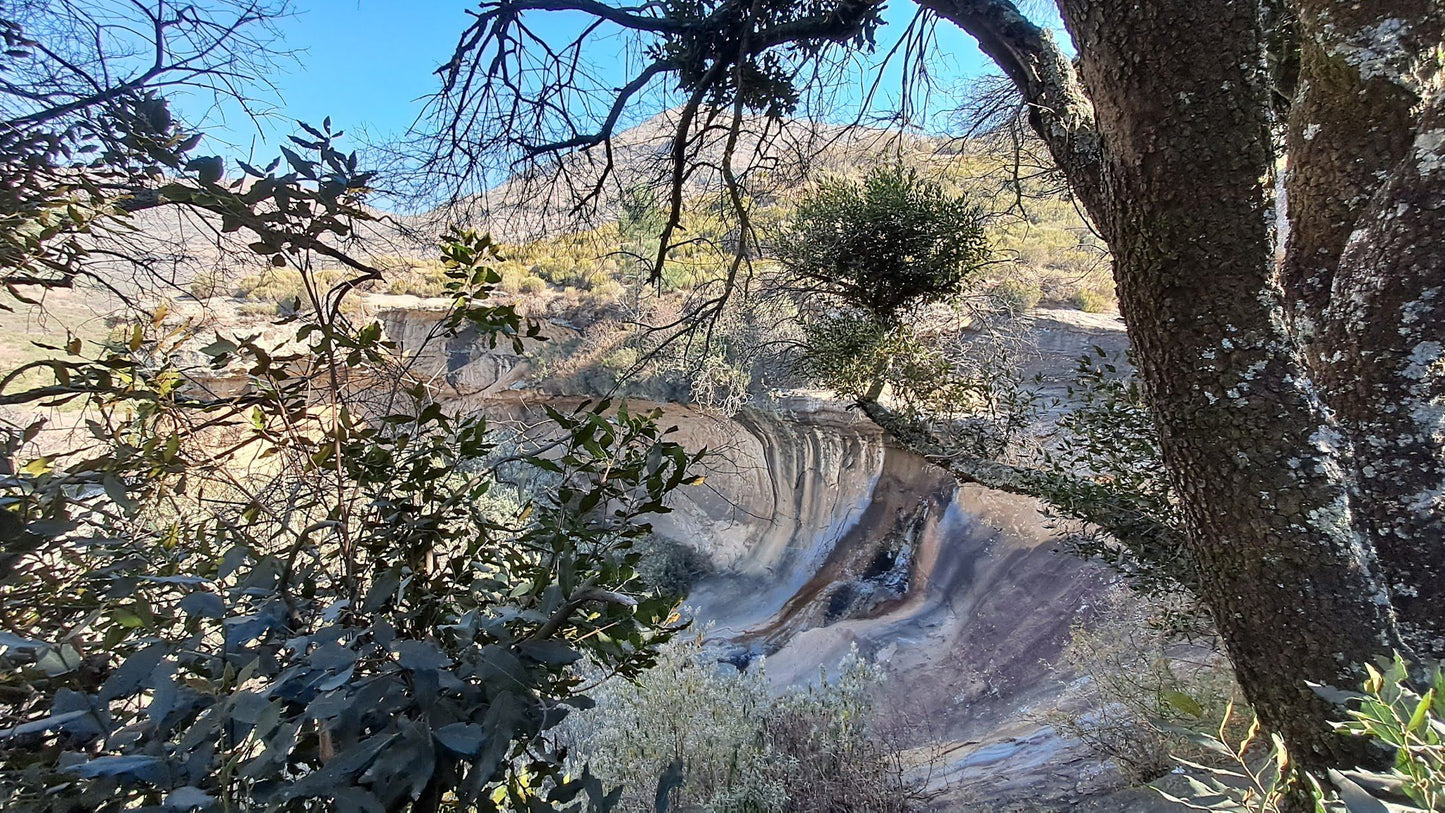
825 537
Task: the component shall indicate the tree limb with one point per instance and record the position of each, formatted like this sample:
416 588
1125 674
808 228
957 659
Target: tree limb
1146 537
1059 109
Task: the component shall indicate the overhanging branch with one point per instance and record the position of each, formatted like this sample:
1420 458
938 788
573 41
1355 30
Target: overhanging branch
1146 537
1059 109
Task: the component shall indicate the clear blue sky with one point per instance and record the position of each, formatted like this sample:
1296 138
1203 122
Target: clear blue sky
368 64
364 63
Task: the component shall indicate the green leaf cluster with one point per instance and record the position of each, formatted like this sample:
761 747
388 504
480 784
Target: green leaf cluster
311 594
891 241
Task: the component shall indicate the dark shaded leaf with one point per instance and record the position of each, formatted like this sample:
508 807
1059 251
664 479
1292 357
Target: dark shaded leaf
203 605
421 656
134 674
553 652
188 798
149 769
463 738
44 724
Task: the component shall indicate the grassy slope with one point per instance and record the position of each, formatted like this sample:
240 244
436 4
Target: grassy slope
594 277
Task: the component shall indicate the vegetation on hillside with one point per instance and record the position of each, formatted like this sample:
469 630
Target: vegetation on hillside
316 591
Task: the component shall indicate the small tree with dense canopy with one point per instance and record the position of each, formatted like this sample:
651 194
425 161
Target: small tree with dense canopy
888 242
859 255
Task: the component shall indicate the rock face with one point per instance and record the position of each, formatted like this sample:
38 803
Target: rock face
825 537
460 365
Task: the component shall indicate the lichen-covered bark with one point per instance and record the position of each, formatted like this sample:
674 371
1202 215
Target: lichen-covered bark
1351 122
1357 275
1246 441
1180 97
1384 326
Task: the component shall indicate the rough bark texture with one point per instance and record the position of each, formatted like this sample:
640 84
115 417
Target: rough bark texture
1180 99
1247 443
1349 124
1361 266
1386 376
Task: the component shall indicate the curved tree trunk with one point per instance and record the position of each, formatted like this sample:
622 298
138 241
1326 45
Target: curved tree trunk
1182 192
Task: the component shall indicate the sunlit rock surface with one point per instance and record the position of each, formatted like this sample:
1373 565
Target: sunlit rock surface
824 537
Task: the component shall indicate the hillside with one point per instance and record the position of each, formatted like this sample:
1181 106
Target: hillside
805 498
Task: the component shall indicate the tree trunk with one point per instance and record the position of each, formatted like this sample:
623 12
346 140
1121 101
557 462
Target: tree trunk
1181 96
1363 259
1182 192
1386 376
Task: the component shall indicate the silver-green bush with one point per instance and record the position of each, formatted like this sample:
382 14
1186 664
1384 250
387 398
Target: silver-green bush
742 748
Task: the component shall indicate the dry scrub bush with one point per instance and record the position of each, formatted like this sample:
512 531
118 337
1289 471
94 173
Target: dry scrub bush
1094 300
1141 686
742 748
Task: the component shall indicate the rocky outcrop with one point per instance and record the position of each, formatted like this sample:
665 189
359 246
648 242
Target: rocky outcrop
461 365
824 537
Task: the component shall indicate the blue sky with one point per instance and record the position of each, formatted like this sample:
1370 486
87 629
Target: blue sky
364 63
368 64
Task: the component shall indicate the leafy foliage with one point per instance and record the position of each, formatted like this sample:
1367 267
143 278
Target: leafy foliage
1261 778
308 594
1389 711
670 566
891 241
1145 694
295 596
933 370
1108 436
87 124
712 47
1246 783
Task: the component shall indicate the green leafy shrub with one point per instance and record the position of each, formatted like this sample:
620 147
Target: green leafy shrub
1389 711
1258 776
1015 296
1109 434
406 276
1092 300
671 566
965 387
849 354
284 284
891 241
303 597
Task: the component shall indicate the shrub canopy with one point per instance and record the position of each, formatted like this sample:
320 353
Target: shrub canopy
890 241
